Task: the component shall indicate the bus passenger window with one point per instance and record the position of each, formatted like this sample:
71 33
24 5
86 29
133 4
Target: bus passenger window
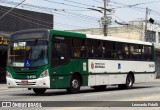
100 50
113 55
135 51
91 51
83 51
76 52
120 56
57 50
78 48
110 50
147 53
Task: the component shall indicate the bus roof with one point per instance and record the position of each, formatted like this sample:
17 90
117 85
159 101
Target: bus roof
82 35
113 38
100 37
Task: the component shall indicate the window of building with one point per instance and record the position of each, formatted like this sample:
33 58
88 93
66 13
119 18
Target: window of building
151 36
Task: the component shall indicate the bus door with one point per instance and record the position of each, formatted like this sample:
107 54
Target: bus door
59 51
60 58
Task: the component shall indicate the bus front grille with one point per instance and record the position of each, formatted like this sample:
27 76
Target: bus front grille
28 72
29 83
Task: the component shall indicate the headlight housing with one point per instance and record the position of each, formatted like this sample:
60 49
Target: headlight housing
8 74
44 74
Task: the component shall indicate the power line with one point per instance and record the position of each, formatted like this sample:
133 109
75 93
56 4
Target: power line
39 20
52 9
27 20
43 21
133 5
70 25
65 4
74 6
59 11
79 18
82 16
12 9
68 15
28 16
78 3
97 1
145 3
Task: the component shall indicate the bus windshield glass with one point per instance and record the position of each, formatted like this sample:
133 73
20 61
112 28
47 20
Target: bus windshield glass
28 53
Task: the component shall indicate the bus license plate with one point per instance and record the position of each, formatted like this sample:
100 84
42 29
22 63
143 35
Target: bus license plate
24 82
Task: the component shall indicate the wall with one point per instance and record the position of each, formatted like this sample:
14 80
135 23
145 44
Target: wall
130 32
19 19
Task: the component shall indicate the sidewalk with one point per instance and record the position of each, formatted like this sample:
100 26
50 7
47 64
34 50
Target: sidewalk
3 87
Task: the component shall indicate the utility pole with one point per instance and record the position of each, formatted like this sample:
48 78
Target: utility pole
105 26
146 22
105 20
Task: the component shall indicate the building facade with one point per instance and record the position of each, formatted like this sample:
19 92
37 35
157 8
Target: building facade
19 19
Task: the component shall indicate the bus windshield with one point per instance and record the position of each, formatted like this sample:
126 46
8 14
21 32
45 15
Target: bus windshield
28 53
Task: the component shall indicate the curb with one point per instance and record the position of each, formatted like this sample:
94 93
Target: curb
3 86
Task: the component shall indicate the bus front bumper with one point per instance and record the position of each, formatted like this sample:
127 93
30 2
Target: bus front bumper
32 83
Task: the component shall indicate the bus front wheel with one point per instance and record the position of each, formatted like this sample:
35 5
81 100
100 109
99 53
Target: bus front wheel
75 84
39 90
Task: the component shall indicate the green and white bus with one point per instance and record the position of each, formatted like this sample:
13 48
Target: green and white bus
51 59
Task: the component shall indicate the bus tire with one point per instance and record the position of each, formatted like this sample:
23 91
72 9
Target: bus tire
39 90
99 88
75 85
129 83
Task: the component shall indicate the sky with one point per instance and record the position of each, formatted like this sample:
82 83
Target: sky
74 14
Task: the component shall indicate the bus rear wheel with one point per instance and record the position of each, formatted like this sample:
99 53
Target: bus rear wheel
75 85
129 83
39 90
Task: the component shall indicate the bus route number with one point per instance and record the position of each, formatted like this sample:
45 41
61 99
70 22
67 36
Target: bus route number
31 76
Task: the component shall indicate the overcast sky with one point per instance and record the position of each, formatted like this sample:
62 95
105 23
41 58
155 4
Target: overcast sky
73 14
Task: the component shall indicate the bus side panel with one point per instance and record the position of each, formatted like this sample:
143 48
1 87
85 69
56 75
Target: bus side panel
145 77
61 75
104 72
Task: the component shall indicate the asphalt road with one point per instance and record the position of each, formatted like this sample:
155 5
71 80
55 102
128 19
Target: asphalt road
140 92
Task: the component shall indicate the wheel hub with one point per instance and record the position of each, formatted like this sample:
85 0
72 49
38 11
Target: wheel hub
75 84
129 81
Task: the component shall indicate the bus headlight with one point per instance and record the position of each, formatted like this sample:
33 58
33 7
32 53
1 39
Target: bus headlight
44 74
8 74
